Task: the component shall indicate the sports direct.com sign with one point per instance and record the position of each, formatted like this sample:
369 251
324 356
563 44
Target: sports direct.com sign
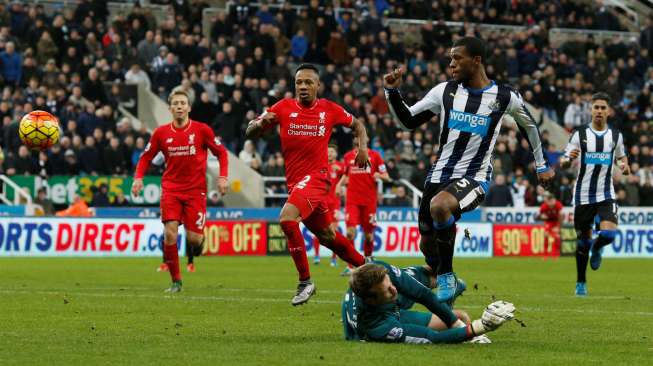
401 239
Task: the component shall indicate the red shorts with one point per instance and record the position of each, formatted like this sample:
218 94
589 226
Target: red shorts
334 208
189 210
310 196
364 215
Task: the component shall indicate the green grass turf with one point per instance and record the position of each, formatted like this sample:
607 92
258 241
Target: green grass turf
237 311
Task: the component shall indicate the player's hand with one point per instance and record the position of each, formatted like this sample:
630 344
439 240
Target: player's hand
223 185
494 316
362 158
267 119
574 154
392 80
545 178
625 168
137 187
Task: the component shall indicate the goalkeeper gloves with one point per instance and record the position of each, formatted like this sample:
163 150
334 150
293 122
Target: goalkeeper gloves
493 317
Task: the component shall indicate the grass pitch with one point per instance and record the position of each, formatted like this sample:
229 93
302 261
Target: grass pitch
236 311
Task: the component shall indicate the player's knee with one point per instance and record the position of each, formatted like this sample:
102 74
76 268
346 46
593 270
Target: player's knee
351 233
326 236
608 236
440 208
170 236
369 236
583 246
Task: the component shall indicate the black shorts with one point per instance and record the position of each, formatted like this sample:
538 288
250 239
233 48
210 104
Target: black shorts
584 214
468 192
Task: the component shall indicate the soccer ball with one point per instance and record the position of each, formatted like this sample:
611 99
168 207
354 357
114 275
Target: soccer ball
39 130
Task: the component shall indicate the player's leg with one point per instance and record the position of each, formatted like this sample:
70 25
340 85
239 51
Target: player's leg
395 331
316 248
190 264
607 212
427 243
583 220
171 216
352 220
318 223
163 267
334 256
459 196
194 218
368 223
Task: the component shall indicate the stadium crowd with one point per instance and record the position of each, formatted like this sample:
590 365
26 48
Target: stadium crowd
72 65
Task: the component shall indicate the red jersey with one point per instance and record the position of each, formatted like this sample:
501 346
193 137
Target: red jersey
361 188
305 134
336 171
185 152
552 212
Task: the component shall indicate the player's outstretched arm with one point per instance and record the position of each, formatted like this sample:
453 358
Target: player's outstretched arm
494 315
409 117
257 126
528 127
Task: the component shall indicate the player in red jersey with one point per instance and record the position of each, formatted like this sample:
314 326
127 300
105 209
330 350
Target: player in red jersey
336 170
184 144
550 213
361 198
306 123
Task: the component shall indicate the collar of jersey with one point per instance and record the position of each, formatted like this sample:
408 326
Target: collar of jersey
175 129
599 133
481 90
307 108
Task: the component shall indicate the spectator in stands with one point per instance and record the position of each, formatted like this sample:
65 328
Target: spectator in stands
22 164
135 75
91 163
215 200
298 46
11 62
78 208
400 199
46 204
114 159
249 154
71 165
100 196
119 200
499 194
204 110
228 126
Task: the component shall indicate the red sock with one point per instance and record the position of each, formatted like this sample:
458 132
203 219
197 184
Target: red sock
344 248
368 247
172 260
296 248
316 246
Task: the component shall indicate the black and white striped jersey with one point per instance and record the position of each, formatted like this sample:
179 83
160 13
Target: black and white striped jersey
598 150
470 120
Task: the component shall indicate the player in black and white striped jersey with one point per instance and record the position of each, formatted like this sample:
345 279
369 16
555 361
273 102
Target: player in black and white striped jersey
597 145
471 108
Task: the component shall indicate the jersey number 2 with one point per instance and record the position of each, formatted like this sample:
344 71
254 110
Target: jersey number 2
201 219
302 184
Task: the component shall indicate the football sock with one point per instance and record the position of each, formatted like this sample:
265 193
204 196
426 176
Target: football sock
368 247
189 253
606 237
344 248
316 247
172 260
445 237
582 257
296 248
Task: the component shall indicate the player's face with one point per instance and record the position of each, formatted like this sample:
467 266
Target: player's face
179 107
462 65
333 154
600 111
385 292
307 84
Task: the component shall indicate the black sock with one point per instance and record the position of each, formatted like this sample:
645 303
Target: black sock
189 253
601 241
582 257
445 240
433 262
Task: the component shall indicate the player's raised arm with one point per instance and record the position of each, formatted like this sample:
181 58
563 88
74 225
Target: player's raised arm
150 151
528 127
421 112
216 147
572 151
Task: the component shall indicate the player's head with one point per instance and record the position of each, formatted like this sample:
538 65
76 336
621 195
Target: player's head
179 105
600 107
550 198
333 152
307 83
467 58
371 283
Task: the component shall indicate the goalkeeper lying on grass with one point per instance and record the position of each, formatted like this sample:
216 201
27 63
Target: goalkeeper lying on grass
375 309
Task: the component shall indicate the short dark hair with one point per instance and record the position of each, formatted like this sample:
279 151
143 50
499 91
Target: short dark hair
474 46
601 96
308 67
365 277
